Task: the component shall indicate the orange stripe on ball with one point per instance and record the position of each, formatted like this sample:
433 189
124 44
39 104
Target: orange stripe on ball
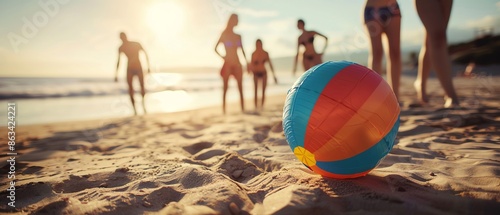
374 119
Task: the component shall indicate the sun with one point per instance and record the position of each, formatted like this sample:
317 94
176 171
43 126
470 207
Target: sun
166 20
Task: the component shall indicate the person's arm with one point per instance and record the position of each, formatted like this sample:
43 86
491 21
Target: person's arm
147 59
296 58
268 59
244 56
117 65
326 41
217 45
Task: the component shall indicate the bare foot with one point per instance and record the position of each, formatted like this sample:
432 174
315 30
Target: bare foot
421 94
451 103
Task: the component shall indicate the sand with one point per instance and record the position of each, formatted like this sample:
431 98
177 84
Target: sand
446 161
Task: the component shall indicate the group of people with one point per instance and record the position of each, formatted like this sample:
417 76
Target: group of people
257 64
233 67
381 17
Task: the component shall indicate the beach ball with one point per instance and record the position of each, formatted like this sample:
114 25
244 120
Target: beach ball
341 119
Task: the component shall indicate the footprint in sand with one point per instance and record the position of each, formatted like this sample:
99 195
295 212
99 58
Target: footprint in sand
161 197
191 135
196 147
277 127
53 208
261 133
206 154
103 180
266 164
237 168
32 169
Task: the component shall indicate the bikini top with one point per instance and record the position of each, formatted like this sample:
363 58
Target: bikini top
231 43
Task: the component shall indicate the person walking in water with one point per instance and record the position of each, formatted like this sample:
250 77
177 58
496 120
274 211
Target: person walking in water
258 68
232 65
309 57
434 53
384 17
134 67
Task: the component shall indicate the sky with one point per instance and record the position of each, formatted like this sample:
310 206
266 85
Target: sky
80 38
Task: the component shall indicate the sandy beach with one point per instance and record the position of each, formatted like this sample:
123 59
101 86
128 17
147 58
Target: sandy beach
446 161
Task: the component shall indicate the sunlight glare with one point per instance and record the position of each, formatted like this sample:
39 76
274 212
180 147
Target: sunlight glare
166 20
170 101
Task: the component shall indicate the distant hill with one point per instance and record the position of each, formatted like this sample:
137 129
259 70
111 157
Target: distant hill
482 51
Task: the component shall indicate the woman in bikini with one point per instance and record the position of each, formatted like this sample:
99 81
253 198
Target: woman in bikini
309 58
259 59
232 65
384 17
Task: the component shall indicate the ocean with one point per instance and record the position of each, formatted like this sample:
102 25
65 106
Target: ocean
47 100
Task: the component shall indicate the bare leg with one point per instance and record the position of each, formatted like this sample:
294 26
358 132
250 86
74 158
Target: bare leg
256 86
306 64
225 81
424 70
434 16
317 60
239 78
264 84
143 90
393 31
376 49
130 78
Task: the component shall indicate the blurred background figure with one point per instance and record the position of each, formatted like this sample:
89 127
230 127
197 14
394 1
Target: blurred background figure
134 67
413 60
258 68
469 69
383 17
310 57
434 53
232 65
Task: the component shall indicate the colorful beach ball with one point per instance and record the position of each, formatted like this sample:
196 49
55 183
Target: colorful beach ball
341 119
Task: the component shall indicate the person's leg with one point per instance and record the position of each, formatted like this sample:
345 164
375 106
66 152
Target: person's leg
447 4
256 85
306 62
393 32
317 60
434 16
238 74
143 90
264 84
424 70
374 30
225 82
130 78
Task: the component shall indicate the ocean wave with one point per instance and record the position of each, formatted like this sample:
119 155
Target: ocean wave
39 88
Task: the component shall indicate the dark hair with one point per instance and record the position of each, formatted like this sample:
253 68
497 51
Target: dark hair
258 41
123 36
301 21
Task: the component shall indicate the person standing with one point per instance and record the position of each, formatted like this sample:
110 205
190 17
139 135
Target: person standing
232 65
383 17
258 67
134 67
310 57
